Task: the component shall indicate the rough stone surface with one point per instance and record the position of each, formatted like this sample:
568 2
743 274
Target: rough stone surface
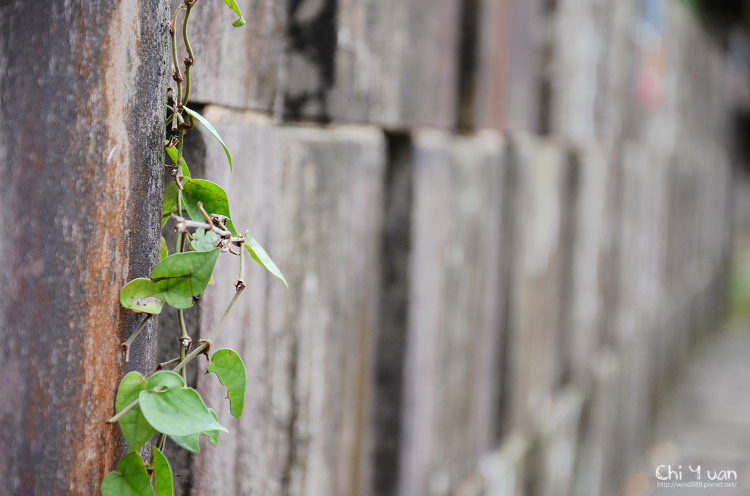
505 470
237 67
558 442
81 113
526 44
391 63
535 307
592 239
578 29
313 198
596 471
642 239
454 316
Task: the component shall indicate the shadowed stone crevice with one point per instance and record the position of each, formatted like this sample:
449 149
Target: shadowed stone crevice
311 45
394 305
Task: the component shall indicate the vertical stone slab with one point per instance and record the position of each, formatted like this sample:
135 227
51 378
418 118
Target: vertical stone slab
596 472
505 470
526 43
592 240
577 47
537 270
616 71
682 225
558 450
714 236
393 62
82 90
634 402
237 67
642 241
484 64
313 198
454 312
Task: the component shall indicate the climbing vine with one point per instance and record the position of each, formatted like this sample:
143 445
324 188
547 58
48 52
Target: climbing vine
162 402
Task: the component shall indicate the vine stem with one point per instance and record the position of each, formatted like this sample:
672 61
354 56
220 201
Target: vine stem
183 335
190 60
183 224
122 412
176 73
132 405
135 334
160 441
202 347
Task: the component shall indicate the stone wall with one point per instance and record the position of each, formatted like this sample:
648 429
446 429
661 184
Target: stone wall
503 223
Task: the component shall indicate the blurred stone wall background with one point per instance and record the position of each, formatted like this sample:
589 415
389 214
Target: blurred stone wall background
504 222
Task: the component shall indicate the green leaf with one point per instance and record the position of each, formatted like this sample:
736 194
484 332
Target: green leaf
203 241
165 378
142 296
210 127
213 436
233 5
173 154
228 366
192 442
170 202
213 197
177 412
181 276
135 427
162 474
131 478
260 256
164 250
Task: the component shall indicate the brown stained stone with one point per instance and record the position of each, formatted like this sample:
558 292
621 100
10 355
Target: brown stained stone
80 163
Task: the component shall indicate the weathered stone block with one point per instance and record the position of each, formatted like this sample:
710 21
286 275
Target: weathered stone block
525 66
596 471
451 375
558 445
616 88
592 233
484 64
391 63
313 198
81 136
642 239
578 36
237 67
535 320
505 471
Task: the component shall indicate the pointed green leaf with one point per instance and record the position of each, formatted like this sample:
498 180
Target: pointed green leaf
169 204
233 5
213 197
228 366
260 256
210 129
192 442
165 378
173 153
177 412
135 427
203 241
181 276
131 478
213 436
164 250
162 475
142 296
